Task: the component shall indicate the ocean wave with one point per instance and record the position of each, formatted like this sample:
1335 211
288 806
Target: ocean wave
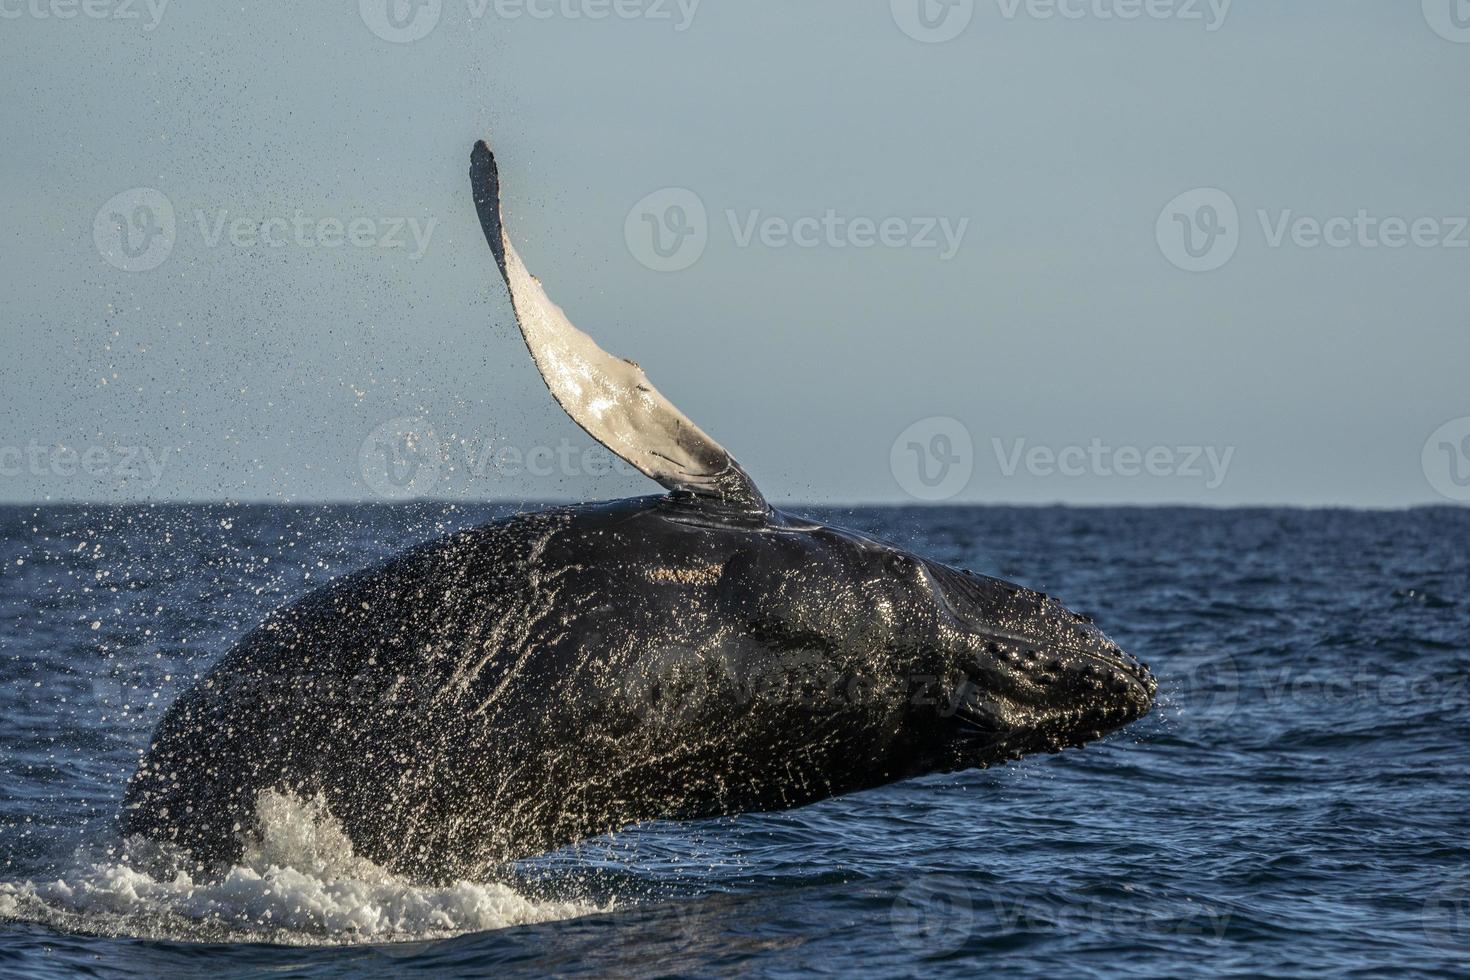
299 882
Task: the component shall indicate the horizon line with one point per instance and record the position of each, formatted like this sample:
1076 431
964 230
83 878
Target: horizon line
782 504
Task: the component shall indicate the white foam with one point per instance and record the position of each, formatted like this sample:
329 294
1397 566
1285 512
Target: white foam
299 882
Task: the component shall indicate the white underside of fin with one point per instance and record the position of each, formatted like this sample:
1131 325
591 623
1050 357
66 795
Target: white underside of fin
606 395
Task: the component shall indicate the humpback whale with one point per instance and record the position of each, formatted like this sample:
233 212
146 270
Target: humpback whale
516 687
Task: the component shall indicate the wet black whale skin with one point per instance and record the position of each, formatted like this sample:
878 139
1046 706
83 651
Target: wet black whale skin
522 685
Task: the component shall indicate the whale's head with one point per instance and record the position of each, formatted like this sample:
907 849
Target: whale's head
1021 673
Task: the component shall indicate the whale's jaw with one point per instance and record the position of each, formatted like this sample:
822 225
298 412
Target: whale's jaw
990 728
1031 675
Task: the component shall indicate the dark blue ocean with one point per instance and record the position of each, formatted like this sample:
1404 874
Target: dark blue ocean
1298 804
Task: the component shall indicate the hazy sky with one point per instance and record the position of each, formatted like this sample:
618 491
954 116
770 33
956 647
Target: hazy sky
892 267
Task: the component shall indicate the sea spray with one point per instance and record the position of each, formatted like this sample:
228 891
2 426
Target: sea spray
299 883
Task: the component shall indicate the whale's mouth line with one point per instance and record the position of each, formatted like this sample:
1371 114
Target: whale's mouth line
1117 670
976 721
980 742
992 725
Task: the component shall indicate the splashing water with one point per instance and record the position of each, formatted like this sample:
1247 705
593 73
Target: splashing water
299 882
1295 806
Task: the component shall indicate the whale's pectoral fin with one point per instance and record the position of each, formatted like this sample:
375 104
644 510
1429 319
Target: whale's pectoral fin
608 396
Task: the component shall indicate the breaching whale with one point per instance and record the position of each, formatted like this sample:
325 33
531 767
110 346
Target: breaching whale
513 688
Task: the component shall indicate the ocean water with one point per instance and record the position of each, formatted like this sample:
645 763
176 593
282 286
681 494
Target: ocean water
1297 804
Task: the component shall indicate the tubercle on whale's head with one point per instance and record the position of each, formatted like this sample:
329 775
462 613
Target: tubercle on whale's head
1023 673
